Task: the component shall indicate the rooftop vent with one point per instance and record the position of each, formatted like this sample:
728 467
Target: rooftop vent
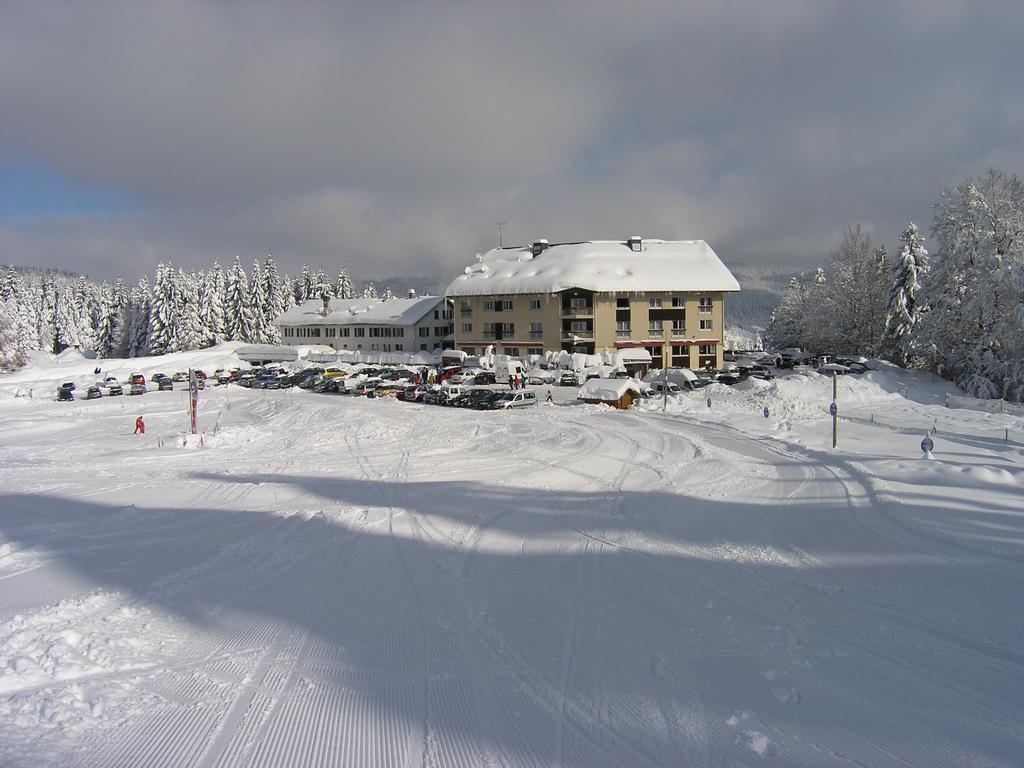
412 293
636 243
539 246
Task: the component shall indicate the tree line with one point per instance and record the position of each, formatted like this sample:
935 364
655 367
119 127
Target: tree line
958 311
52 310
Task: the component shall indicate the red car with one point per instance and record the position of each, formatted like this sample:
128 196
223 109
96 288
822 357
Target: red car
137 378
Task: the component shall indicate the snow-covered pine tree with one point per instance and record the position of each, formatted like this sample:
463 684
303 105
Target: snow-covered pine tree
11 356
343 289
213 306
304 285
322 286
188 331
238 323
9 283
258 304
903 309
140 300
370 291
387 293
164 311
791 322
47 315
274 292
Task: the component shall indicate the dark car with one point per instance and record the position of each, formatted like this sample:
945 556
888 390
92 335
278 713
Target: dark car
159 377
485 401
114 389
68 385
484 377
472 397
200 374
64 392
164 384
93 393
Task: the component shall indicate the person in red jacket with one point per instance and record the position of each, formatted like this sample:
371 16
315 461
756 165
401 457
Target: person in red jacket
140 426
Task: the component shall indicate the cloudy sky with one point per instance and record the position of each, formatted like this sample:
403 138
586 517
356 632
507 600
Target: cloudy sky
392 137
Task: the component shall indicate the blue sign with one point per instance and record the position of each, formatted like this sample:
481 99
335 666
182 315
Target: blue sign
709 402
927 444
832 409
766 411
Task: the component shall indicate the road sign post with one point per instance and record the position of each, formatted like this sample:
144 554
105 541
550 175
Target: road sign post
926 447
834 410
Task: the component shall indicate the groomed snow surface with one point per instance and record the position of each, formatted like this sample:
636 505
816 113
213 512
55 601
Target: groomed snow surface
334 581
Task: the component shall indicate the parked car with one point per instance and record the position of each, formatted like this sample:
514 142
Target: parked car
64 392
514 399
485 399
728 378
137 378
111 380
93 393
540 376
414 394
568 379
69 385
659 387
180 376
137 389
159 377
484 377
164 384
833 369
114 389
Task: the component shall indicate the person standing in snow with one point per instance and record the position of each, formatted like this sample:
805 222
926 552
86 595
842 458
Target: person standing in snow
140 426
511 381
549 399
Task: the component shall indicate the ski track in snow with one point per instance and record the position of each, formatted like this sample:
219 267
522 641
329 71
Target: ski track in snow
346 582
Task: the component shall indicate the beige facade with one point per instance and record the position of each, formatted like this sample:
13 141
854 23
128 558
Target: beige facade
678 328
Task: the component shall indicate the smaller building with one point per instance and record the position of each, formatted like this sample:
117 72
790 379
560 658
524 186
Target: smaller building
413 324
618 393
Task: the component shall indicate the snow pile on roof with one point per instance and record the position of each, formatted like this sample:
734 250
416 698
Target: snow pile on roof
360 311
607 389
600 265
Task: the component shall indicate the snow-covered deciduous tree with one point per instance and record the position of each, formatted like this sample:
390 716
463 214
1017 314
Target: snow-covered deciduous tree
973 329
791 324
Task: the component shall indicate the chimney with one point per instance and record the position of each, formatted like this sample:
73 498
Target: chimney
412 293
327 303
539 246
636 243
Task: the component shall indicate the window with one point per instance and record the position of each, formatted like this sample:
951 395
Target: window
423 347
469 350
655 325
346 332
655 353
398 347
534 304
512 351
437 314
678 302
536 330
374 332
535 350
508 329
705 325
706 349
654 303
361 332
680 350
440 330
679 327
576 326
578 302
387 347
507 305
374 348
622 329
467 327
704 305
424 331
466 306
622 303
489 305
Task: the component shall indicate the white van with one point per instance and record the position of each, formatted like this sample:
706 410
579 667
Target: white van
506 369
659 387
519 399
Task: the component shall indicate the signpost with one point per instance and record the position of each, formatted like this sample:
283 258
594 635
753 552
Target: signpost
834 410
926 447
193 398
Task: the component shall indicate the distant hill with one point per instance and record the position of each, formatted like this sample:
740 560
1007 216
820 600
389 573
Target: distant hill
761 287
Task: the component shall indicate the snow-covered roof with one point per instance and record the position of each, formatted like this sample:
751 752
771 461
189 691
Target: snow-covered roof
599 265
607 389
267 352
360 311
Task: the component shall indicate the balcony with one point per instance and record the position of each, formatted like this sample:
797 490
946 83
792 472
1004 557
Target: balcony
578 336
466 312
678 333
536 334
626 334
578 311
655 333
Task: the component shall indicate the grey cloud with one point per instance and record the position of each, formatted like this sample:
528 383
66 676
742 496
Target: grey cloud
391 137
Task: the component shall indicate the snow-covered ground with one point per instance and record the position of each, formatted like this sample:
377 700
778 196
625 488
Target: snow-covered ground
351 582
